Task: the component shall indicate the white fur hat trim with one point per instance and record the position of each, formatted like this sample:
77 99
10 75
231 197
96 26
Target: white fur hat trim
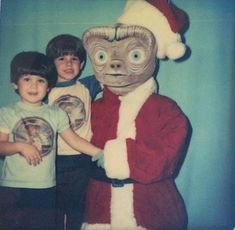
140 12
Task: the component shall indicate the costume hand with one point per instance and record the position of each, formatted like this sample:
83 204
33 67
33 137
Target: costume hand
99 158
30 153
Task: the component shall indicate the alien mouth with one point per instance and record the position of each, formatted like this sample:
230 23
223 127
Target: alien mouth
116 74
117 85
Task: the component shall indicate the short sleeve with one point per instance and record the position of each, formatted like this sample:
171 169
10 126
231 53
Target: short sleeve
62 120
92 84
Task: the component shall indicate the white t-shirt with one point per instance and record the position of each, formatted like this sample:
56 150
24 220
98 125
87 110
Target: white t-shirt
73 98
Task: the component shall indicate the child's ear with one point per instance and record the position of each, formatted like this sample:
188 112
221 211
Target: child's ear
82 65
15 86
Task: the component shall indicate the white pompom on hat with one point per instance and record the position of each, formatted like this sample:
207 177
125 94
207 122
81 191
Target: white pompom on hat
165 21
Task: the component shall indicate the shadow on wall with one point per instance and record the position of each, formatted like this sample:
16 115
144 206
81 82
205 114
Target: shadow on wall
184 149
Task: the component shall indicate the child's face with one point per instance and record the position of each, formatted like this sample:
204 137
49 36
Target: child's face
68 67
32 89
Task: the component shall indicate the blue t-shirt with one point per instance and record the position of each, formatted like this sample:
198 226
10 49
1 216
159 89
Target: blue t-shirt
36 125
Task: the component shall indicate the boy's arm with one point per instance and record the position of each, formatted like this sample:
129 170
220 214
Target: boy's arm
78 143
92 85
28 151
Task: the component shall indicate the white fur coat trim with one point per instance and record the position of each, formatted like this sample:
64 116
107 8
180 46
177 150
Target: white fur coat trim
122 213
86 226
116 157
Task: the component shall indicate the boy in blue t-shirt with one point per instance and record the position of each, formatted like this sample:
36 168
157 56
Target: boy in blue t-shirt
28 131
74 96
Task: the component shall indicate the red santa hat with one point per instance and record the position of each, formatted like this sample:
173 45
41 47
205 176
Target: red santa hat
165 21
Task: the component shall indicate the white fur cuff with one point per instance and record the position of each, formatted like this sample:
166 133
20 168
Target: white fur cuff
115 159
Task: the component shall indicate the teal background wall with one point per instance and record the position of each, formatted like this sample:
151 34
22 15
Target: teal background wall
203 85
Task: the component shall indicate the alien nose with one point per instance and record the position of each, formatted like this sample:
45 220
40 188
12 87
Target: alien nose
116 65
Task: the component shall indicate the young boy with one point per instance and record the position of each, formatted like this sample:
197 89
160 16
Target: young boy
69 56
28 143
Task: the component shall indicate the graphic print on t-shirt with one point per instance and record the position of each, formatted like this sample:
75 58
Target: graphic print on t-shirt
36 131
75 109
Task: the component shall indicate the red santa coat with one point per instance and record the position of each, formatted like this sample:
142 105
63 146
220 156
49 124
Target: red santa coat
142 135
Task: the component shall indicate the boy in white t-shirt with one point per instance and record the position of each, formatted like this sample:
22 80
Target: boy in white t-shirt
74 96
28 131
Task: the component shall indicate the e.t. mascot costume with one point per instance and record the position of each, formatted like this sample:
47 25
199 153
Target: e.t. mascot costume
142 133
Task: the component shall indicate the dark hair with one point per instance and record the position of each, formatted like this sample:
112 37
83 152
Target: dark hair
33 63
66 44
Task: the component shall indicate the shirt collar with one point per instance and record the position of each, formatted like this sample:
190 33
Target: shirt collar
66 83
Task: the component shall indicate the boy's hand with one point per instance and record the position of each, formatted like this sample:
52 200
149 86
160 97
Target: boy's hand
99 158
30 153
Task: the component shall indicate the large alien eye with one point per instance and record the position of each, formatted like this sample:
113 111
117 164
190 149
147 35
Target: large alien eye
101 57
136 56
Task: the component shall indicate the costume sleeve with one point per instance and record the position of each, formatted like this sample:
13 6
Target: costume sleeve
92 85
156 157
157 149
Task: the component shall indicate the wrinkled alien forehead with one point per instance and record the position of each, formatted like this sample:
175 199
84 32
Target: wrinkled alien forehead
120 32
